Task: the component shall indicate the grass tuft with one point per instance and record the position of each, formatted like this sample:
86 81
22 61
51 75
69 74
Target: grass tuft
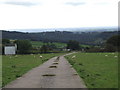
75 74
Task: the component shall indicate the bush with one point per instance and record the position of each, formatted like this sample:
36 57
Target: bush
73 45
23 46
113 43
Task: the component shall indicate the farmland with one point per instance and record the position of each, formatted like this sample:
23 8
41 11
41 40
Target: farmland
16 66
98 70
0 70
39 44
36 43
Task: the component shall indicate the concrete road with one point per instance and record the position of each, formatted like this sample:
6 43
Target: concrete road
55 73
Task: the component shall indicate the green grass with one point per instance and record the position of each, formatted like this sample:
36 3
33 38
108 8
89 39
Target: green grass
14 67
39 44
0 70
60 45
96 69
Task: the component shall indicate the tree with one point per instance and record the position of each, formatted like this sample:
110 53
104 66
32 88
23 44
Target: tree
113 43
51 46
110 48
23 46
5 41
44 49
73 45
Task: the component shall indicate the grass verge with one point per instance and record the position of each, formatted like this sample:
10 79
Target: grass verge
15 66
98 70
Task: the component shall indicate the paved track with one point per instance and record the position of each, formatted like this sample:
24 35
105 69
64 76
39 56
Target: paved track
59 75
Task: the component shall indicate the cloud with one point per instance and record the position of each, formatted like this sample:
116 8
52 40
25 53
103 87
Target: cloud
21 3
75 3
102 3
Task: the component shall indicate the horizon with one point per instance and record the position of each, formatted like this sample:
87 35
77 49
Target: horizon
80 29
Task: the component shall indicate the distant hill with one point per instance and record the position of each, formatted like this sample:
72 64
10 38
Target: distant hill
90 38
78 30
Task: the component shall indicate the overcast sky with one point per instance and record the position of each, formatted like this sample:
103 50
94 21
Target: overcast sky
30 14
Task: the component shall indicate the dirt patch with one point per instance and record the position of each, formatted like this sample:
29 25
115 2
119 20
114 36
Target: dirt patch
52 66
49 75
55 63
57 59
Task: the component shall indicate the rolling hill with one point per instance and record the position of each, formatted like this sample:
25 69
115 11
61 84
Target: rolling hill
90 38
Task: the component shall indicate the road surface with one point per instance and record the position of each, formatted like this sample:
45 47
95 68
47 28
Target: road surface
55 73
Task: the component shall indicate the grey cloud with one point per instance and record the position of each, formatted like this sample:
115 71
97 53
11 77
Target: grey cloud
21 3
75 3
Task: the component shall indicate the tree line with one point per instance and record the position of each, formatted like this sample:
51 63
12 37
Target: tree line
25 47
89 38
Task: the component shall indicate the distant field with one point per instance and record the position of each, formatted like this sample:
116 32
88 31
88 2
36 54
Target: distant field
57 44
39 44
16 66
85 46
36 43
98 70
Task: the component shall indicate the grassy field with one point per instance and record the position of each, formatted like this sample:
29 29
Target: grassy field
84 46
98 70
0 70
15 66
39 44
